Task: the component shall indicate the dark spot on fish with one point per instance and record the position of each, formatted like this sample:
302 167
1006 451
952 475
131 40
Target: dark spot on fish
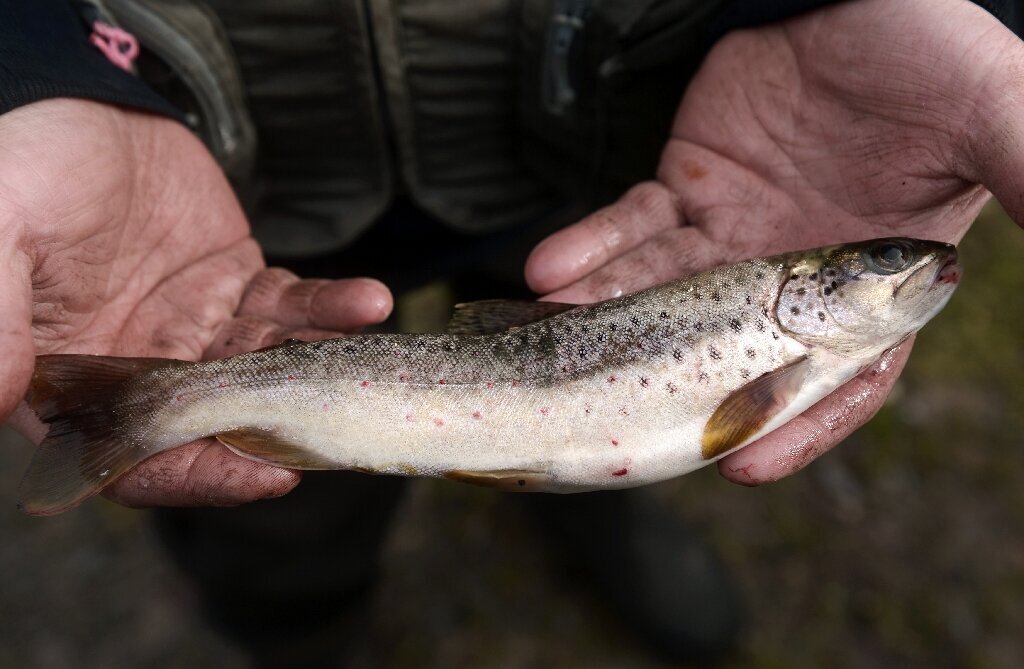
795 311
828 291
758 274
635 320
775 335
745 373
677 354
703 377
813 276
830 273
794 276
750 300
821 316
521 483
697 296
671 388
698 326
663 314
764 311
835 284
713 352
612 326
582 351
624 411
736 325
449 346
644 382
350 348
801 291
716 297
751 353
759 325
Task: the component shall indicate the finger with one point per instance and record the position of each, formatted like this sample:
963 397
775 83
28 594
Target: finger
17 354
249 333
671 254
570 254
343 305
797 443
203 473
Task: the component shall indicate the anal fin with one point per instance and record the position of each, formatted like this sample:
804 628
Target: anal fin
268 446
750 407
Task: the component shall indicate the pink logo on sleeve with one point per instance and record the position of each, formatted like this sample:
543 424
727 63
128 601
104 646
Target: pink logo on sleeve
120 47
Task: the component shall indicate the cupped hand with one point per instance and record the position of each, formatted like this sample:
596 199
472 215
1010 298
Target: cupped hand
866 119
120 236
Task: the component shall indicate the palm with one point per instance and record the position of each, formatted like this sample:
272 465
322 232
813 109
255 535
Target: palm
125 239
863 120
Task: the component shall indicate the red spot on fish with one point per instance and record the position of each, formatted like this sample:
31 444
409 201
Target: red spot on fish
409 417
442 381
620 472
516 383
490 386
439 422
364 384
615 442
477 415
327 406
291 377
222 385
402 378
179 398
544 411
611 379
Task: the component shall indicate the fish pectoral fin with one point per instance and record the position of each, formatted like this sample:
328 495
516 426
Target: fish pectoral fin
491 316
747 409
268 446
512 480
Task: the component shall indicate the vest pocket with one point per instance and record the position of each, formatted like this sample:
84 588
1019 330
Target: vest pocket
599 85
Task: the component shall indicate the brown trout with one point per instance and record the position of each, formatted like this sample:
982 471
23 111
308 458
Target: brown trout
530 396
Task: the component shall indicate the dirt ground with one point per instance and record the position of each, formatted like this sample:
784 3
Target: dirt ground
903 548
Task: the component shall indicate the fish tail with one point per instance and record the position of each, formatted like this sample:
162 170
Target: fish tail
89 444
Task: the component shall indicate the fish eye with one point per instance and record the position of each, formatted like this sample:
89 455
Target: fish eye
889 257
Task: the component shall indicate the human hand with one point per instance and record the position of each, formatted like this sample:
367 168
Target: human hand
120 236
866 119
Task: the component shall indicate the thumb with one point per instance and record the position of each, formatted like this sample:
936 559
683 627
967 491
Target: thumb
995 142
17 356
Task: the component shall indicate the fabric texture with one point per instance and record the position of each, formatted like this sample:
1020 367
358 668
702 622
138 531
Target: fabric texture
45 52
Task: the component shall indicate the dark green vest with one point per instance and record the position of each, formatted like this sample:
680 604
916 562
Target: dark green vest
487 114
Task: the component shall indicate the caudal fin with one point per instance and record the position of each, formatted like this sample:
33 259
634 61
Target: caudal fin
82 398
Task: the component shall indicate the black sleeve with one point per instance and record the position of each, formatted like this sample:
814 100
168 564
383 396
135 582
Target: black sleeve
750 13
45 53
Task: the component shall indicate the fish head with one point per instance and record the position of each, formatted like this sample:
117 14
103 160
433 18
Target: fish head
864 298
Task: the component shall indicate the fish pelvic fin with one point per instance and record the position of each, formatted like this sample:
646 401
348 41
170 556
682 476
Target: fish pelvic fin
750 407
87 446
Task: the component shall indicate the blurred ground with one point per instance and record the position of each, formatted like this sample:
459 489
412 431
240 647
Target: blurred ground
903 548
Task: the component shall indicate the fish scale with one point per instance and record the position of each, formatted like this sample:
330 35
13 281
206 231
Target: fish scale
616 394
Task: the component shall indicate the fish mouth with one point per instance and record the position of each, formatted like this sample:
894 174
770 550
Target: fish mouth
949 273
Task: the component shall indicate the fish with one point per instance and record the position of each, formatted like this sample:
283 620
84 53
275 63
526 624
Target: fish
519 396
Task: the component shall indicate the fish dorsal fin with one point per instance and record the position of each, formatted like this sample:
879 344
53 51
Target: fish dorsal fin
750 407
269 446
491 316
